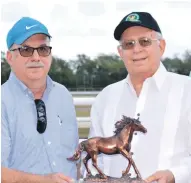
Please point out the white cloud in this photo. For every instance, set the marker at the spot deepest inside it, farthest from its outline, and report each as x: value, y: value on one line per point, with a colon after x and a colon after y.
x: 86, y: 26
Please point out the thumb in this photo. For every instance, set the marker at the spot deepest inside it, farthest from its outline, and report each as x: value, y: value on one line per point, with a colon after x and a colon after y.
x: 151, y: 179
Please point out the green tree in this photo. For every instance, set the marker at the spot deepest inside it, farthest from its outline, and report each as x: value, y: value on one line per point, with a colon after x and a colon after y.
x: 5, y: 68
x: 61, y: 72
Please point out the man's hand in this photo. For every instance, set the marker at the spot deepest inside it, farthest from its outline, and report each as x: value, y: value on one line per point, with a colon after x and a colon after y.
x: 163, y: 176
x: 12, y: 176
x: 59, y: 178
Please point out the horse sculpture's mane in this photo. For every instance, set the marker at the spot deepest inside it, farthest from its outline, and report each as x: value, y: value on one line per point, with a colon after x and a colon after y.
x: 119, y: 125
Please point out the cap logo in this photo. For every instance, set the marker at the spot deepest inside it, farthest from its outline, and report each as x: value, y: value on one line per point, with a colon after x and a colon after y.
x: 29, y: 27
x: 134, y: 17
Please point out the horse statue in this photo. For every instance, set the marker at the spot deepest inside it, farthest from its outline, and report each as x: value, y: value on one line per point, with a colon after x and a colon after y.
x: 119, y: 143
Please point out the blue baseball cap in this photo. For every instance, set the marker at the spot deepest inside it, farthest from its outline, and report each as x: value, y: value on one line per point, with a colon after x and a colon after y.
x: 23, y: 29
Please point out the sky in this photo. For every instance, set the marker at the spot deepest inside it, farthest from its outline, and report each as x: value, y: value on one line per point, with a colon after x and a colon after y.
x: 87, y: 26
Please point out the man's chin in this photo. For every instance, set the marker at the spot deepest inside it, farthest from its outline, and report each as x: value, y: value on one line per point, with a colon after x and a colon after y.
x: 35, y: 76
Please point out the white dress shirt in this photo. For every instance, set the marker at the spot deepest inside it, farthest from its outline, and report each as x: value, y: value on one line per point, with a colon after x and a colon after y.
x: 164, y: 105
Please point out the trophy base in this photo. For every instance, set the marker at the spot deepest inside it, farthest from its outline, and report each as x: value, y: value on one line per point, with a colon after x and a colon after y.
x: 124, y: 179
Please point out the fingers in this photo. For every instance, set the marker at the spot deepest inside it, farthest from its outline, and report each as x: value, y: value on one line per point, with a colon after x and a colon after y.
x: 163, y: 176
x: 152, y: 178
x: 162, y: 181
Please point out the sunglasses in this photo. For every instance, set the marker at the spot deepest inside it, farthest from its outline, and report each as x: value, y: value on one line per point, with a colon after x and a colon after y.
x: 27, y: 51
x: 130, y: 44
x: 41, y: 116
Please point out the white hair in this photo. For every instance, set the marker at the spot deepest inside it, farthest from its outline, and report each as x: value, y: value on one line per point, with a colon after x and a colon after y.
x: 159, y: 36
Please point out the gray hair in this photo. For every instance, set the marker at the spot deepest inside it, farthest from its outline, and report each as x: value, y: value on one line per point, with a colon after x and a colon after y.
x: 158, y: 34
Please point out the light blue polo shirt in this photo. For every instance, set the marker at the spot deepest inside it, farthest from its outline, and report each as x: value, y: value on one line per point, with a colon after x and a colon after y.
x: 22, y: 147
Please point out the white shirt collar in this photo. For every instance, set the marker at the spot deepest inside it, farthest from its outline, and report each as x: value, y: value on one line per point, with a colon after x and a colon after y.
x: 158, y: 77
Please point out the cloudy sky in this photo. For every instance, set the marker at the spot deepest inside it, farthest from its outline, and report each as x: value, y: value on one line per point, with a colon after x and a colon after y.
x: 86, y: 26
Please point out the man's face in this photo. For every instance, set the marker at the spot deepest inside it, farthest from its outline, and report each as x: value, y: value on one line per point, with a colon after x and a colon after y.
x: 33, y: 67
x: 141, y: 59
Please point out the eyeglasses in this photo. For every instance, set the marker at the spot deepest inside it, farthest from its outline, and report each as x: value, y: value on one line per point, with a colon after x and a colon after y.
x: 130, y: 44
x: 41, y: 116
x: 27, y: 51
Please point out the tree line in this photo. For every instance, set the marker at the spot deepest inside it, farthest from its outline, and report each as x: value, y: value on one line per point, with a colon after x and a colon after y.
x: 84, y: 73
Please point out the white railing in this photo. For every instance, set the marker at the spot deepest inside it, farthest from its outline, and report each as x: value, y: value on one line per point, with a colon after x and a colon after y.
x: 84, y: 92
x: 83, y: 122
x: 83, y: 101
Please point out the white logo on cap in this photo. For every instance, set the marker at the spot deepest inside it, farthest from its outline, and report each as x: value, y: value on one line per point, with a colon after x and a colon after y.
x: 29, y: 27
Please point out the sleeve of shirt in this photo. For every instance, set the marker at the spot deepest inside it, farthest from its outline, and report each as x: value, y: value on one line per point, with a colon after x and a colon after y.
x: 182, y: 173
x: 95, y: 127
x: 5, y: 137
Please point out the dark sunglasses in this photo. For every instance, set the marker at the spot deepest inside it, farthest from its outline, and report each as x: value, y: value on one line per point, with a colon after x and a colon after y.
x: 130, y: 44
x: 27, y: 51
x: 41, y: 116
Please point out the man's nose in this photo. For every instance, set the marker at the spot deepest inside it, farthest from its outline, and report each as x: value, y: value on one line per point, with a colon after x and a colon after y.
x: 137, y: 47
x: 35, y: 56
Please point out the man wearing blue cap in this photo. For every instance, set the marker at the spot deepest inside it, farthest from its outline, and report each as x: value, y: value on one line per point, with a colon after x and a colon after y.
x: 161, y: 100
x: 39, y: 128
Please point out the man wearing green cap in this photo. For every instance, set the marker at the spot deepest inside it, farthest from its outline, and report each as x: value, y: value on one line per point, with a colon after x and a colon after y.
x: 38, y: 122
x: 159, y: 98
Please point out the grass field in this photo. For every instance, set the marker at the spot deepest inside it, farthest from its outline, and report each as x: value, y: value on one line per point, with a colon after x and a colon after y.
x: 83, y: 111
x: 83, y: 133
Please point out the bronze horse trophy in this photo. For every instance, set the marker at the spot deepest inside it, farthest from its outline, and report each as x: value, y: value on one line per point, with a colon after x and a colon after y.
x: 119, y: 143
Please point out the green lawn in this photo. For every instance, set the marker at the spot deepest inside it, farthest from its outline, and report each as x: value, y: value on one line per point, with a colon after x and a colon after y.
x: 83, y: 132
x: 83, y: 111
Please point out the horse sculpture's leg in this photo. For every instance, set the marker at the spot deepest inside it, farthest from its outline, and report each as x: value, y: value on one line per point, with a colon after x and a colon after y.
x: 136, y: 170
x: 129, y: 158
x: 125, y: 172
x: 131, y: 162
x: 85, y: 161
x: 94, y: 163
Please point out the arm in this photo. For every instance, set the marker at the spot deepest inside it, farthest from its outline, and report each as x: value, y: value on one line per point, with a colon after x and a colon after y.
x: 182, y: 172
x: 8, y: 175
x: 5, y: 137
x: 14, y: 176
x: 95, y: 128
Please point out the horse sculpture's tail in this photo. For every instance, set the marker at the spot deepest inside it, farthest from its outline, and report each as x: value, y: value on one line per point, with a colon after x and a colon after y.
x: 78, y: 152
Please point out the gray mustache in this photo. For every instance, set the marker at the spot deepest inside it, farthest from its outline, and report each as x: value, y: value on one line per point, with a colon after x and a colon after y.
x: 34, y: 64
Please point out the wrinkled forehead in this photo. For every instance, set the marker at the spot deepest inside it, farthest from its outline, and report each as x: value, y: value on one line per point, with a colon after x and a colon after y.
x: 38, y: 38
x: 138, y: 32
x: 35, y: 41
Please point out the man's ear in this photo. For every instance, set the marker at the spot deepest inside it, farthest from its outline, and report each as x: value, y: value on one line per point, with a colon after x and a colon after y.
x: 120, y: 51
x: 162, y: 46
x: 9, y: 58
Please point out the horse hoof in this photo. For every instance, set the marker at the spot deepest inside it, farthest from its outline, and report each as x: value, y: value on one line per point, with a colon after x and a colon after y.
x: 103, y: 177
x: 89, y: 175
x: 139, y: 177
x: 124, y: 173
